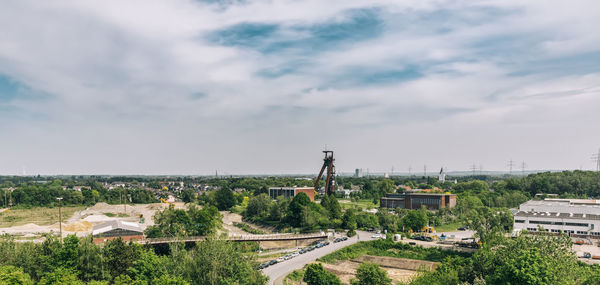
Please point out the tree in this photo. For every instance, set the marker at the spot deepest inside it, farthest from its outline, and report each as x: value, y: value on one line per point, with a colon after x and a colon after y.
x: 61, y: 276
x: 331, y: 204
x: 385, y: 186
x: 224, y: 199
x: 415, y: 220
x: 349, y: 220
x: 148, y: 266
x: 219, y: 262
x: 296, y: 209
x: 90, y: 261
x: 187, y: 195
x: 11, y: 275
x: 258, y: 207
x: 488, y: 222
x: 119, y: 256
x: 371, y: 274
x: 317, y: 275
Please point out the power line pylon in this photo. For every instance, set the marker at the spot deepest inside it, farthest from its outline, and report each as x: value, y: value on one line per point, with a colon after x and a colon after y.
x: 523, y: 166
x: 596, y: 158
x: 510, y: 165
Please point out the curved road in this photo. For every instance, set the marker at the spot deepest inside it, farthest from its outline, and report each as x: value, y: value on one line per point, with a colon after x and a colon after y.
x: 277, y: 272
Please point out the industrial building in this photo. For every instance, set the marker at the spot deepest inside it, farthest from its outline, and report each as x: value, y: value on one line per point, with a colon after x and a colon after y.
x: 576, y: 217
x: 411, y: 200
x: 115, y: 229
x: 288, y: 192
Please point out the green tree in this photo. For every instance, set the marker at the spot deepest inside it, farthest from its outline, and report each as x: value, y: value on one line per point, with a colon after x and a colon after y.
x: 349, y: 219
x: 415, y: 220
x: 317, y: 275
x: 11, y: 275
x: 331, y: 204
x: 296, y: 209
x: 148, y: 266
x: 371, y: 274
x: 224, y: 199
x: 90, y: 261
x: 219, y: 262
x: 488, y: 222
x: 119, y: 256
x: 258, y: 207
x: 61, y: 276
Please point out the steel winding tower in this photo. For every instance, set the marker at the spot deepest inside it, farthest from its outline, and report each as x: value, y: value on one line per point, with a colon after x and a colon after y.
x: 329, y: 182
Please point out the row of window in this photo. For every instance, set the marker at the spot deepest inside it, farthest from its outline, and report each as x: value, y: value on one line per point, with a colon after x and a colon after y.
x: 553, y: 223
x: 427, y: 201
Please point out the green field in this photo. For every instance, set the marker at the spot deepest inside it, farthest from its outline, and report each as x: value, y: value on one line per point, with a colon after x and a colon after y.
x: 452, y: 227
x: 364, y: 204
x: 40, y: 216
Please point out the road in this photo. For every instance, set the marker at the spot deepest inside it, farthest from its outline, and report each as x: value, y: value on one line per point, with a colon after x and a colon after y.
x: 277, y: 272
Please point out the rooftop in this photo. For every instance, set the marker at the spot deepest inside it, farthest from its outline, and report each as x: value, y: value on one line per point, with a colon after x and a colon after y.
x: 116, y: 224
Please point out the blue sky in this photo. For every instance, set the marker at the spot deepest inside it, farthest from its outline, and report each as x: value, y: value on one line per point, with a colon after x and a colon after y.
x: 257, y: 86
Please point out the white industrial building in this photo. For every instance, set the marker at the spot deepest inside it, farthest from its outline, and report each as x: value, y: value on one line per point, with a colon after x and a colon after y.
x: 576, y: 217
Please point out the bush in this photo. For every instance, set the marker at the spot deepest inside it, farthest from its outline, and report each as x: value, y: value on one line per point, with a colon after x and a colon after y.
x: 351, y: 233
x: 317, y: 275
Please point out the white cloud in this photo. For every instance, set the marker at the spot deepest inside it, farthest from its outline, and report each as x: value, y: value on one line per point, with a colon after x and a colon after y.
x: 118, y: 80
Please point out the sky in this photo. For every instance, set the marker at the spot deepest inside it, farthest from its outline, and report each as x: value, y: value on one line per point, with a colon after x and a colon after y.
x: 262, y: 87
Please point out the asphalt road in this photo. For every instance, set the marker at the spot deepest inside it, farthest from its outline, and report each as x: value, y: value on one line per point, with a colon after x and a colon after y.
x: 277, y: 272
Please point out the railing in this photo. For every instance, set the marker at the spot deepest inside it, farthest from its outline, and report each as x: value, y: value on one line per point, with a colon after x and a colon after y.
x: 268, y: 237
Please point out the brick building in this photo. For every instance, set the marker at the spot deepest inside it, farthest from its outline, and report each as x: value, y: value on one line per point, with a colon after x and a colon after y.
x: 415, y: 201
x: 287, y: 192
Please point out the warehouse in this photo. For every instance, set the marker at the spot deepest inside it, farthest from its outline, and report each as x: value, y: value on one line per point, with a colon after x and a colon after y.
x: 576, y: 217
x: 410, y: 200
x: 115, y: 229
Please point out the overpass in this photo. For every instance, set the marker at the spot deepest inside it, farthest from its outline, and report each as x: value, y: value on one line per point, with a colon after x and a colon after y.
x: 259, y: 238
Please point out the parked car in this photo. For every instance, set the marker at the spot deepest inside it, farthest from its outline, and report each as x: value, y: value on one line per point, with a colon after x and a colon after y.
x: 294, y: 254
x: 376, y: 236
x: 326, y: 243
x: 345, y: 238
x: 462, y: 228
x: 281, y: 259
x: 412, y: 243
x: 311, y: 248
x: 587, y: 255
x: 272, y: 262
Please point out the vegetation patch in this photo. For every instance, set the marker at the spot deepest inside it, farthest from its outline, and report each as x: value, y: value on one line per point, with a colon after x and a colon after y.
x: 247, y: 228
x: 39, y: 215
x: 391, y: 249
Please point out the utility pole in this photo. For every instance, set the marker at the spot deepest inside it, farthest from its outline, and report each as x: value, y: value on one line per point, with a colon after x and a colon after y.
x: 510, y: 165
x: 473, y: 168
x: 124, y: 201
x: 596, y: 158
x: 59, y: 218
x: 409, y: 170
x: 425, y: 170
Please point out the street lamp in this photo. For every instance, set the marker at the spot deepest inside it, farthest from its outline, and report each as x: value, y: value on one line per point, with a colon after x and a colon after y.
x: 59, y: 217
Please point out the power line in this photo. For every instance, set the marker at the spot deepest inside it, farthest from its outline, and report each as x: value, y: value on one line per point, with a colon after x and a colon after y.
x: 473, y: 168
x: 596, y: 158
x: 510, y: 165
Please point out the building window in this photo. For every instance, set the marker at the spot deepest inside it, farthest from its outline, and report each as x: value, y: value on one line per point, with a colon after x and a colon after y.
x: 519, y: 221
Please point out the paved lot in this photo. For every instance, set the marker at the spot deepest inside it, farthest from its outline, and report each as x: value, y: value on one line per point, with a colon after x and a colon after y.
x: 278, y: 271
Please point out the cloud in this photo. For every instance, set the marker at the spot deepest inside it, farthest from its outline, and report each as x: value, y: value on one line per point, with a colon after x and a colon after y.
x: 169, y: 86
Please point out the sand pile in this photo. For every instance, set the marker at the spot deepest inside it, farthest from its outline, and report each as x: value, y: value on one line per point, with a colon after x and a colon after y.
x: 83, y: 226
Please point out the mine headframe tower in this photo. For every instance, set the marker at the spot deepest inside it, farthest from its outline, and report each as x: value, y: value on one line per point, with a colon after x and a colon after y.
x: 329, y: 182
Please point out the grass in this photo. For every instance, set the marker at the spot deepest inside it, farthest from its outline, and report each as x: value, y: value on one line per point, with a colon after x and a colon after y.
x: 112, y: 215
x: 40, y: 216
x: 391, y: 249
x: 452, y: 227
x: 364, y: 204
x: 294, y: 277
x: 245, y: 227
